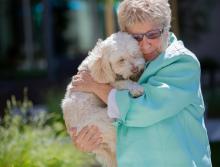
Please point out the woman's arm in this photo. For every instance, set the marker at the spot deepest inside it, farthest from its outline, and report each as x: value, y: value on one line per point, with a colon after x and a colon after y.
x: 89, y: 138
x: 102, y: 91
x: 84, y: 82
x: 167, y: 92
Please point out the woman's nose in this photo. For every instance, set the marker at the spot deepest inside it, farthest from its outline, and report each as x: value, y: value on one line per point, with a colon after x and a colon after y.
x: 144, y: 44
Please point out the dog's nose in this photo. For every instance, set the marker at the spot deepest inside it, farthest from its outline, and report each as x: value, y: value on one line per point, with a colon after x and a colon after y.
x: 134, y: 69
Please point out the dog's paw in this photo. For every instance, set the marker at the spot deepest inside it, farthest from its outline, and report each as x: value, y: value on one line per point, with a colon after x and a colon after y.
x: 136, y: 91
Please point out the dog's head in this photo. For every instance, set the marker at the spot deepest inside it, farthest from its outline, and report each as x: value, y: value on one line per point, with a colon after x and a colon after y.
x: 118, y: 55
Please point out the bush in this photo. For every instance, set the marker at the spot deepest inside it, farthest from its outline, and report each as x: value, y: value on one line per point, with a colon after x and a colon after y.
x: 28, y: 141
x: 38, y: 147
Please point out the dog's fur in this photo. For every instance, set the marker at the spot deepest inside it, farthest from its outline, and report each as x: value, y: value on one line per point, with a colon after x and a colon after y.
x: 110, y: 60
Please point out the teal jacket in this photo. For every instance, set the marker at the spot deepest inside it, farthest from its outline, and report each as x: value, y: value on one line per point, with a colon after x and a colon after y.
x: 165, y: 126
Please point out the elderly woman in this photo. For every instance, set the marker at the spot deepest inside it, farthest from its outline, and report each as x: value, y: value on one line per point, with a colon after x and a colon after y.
x: 165, y: 126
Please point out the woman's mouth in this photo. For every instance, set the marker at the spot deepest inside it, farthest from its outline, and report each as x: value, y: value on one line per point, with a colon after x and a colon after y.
x: 150, y: 55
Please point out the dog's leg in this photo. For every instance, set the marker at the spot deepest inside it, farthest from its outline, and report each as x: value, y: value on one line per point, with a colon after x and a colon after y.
x: 134, y: 88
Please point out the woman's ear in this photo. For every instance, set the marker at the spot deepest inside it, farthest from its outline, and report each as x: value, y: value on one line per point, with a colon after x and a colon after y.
x: 100, y: 67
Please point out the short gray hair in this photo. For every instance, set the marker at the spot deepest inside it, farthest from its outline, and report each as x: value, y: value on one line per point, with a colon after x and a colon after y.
x: 155, y: 11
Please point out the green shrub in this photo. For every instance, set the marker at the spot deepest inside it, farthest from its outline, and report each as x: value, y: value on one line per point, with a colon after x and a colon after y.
x: 27, y: 141
x: 38, y: 147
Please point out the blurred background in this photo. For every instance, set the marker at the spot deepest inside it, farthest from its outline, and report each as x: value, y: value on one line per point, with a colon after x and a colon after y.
x: 41, y: 44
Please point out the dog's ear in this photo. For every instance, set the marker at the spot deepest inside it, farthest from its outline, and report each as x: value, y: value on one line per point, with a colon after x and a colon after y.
x: 84, y: 64
x: 100, y: 67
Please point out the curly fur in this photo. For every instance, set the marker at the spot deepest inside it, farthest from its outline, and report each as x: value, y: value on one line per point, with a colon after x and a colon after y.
x: 118, y: 55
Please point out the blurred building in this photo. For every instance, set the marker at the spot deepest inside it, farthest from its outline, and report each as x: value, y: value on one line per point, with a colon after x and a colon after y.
x: 38, y: 35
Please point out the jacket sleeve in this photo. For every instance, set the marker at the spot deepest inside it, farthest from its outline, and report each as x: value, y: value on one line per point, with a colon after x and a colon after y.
x: 167, y: 92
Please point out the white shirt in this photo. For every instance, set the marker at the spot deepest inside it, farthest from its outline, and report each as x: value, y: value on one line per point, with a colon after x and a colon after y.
x: 112, y: 109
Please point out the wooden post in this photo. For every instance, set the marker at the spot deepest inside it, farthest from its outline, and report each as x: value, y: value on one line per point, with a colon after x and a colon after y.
x: 109, y: 17
x: 28, y: 33
x: 48, y: 39
x: 175, y: 17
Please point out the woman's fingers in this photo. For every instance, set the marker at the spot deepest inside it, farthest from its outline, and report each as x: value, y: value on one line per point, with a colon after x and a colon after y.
x: 77, y: 82
x: 88, y: 139
x: 87, y: 135
x: 73, y: 131
x: 95, y: 137
x: 84, y: 75
x: 80, y: 79
x: 91, y: 133
x: 83, y: 82
x: 96, y: 144
x: 76, y: 77
x: 81, y: 135
x: 92, y: 143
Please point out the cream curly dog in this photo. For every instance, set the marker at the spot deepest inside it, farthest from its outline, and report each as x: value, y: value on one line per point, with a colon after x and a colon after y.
x: 113, y: 61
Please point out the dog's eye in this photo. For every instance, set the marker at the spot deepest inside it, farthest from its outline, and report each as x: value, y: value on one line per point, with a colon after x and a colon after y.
x: 121, y: 60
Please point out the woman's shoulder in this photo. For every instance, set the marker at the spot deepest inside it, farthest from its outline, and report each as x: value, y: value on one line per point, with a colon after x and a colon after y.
x: 176, y: 57
x: 178, y: 53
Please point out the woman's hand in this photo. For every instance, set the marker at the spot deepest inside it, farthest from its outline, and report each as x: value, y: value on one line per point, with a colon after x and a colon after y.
x: 88, y: 139
x: 84, y: 82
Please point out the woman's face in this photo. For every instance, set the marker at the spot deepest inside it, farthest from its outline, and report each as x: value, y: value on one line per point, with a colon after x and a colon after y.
x: 151, y: 48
